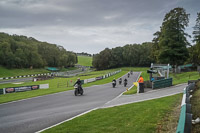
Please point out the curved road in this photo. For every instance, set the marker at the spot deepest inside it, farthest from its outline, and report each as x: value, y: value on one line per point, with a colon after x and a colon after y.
x: 31, y: 115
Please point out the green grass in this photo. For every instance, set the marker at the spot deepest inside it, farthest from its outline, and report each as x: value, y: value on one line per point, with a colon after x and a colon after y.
x: 85, y: 60
x: 133, y: 90
x: 4, y: 72
x: 142, y: 117
x: 184, y: 77
x: 53, y: 85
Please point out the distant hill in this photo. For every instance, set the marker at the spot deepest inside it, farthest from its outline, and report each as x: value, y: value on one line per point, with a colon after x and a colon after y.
x: 84, y: 60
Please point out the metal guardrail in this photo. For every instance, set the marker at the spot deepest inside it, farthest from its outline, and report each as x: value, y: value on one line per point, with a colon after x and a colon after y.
x: 185, y: 119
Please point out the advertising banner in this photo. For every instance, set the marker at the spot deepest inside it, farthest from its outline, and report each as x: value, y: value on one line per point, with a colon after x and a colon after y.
x: 99, y: 78
x: 44, y: 86
x: 91, y: 80
x: 34, y: 87
x: 85, y: 81
x: 9, y: 90
x: 21, y: 89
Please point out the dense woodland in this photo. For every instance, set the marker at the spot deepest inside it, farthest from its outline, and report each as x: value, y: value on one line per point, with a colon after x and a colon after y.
x: 169, y: 45
x: 23, y: 52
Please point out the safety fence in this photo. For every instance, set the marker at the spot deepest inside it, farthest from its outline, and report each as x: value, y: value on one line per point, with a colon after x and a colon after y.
x: 162, y: 83
x: 26, y: 76
x: 185, y: 118
x: 85, y: 81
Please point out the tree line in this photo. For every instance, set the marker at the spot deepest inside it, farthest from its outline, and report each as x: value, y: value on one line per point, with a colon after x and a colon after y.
x: 128, y: 55
x: 26, y: 52
x: 169, y: 45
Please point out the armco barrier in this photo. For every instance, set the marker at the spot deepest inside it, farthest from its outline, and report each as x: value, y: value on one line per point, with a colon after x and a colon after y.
x: 162, y: 83
x: 32, y: 75
x: 185, y: 119
x: 100, y: 77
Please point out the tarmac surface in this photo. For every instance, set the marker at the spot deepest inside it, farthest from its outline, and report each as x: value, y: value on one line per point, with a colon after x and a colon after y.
x: 148, y: 95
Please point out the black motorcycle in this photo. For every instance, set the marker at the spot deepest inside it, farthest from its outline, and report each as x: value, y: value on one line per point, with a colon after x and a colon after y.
x: 125, y: 83
x: 113, y: 84
x: 128, y: 75
x: 120, y: 81
x: 131, y: 72
x: 78, y: 90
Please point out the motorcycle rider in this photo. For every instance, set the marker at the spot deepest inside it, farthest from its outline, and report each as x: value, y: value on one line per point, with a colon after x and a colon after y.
x: 128, y: 75
x: 120, y: 81
x: 131, y: 72
x: 114, y: 82
x: 78, y: 82
x: 125, y: 82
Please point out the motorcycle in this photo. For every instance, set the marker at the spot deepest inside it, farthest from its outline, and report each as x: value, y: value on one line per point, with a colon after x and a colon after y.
x: 113, y: 84
x: 120, y: 82
x: 78, y: 90
x: 125, y: 83
x: 131, y: 72
x: 128, y: 75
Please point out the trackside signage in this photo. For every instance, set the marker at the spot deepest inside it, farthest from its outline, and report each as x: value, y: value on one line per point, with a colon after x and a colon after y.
x: 21, y: 89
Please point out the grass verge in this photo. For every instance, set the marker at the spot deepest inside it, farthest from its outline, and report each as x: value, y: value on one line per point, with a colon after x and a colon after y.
x: 142, y: 117
x: 133, y: 90
x: 184, y: 77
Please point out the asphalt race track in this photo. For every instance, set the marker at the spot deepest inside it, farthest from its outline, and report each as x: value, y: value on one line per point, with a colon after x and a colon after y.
x: 31, y: 115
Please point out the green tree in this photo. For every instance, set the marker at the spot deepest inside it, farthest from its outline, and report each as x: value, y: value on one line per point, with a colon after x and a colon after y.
x: 195, y: 51
x: 102, y: 60
x: 172, y: 41
x: 116, y: 58
x: 155, y: 47
x: 144, y: 56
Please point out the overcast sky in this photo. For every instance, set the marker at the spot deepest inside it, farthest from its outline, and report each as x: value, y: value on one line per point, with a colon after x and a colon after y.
x: 90, y: 25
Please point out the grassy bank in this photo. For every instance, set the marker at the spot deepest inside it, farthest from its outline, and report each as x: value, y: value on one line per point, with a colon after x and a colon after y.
x: 85, y: 60
x: 4, y: 72
x: 142, y: 117
x: 184, y: 77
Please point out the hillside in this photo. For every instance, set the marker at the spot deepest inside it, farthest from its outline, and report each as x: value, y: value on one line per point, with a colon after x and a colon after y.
x: 84, y: 60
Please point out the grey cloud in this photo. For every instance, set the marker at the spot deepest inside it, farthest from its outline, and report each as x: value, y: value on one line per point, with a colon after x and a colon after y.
x: 90, y: 24
x: 76, y: 13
